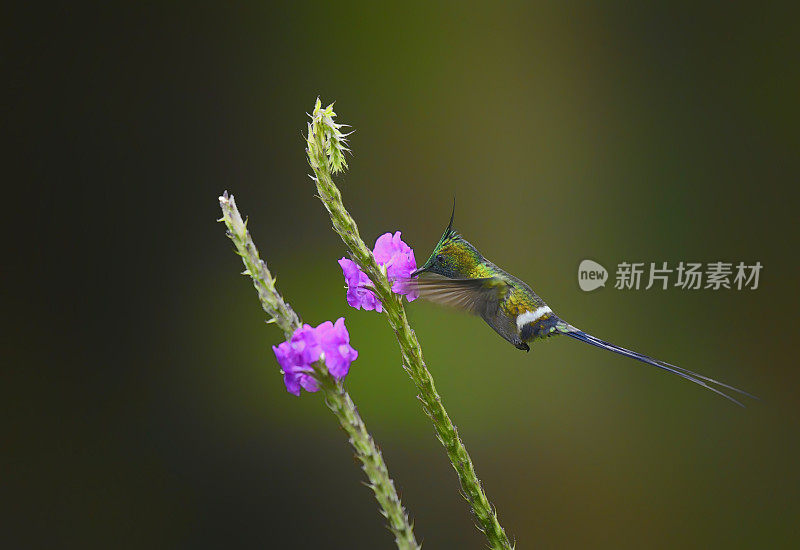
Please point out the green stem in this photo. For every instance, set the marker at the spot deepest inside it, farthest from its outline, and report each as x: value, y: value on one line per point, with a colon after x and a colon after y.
x: 324, y: 136
x: 336, y: 398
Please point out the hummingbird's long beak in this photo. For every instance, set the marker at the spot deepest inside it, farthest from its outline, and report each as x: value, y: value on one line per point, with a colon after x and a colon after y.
x: 422, y: 269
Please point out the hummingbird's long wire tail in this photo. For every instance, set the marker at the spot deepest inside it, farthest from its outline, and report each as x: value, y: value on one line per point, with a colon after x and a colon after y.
x: 699, y: 379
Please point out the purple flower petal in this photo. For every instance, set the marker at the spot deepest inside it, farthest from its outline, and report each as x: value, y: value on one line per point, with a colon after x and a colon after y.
x: 292, y: 382
x: 398, y: 259
x: 359, y: 295
x: 305, y: 346
x: 295, y: 358
x: 335, y: 342
x: 350, y: 270
x: 283, y: 353
x: 385, y: 247
x: 308, y: 383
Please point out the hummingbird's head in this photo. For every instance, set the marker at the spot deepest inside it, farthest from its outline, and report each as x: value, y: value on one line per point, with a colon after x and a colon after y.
x: 453, y: 257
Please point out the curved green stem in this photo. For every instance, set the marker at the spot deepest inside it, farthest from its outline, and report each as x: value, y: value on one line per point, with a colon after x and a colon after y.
x: 336, y: 398
x: 324, y: 136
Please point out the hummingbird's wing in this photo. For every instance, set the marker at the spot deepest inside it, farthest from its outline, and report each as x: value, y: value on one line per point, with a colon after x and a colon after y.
x: 475, y: 296
x: 481, y: 296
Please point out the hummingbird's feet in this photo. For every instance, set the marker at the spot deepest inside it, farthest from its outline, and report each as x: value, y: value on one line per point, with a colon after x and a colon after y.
x: 522, y: 345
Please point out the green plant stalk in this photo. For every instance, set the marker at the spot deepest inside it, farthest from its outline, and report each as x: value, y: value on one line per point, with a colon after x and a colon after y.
x: 336, y: 397
x: 324, y: 135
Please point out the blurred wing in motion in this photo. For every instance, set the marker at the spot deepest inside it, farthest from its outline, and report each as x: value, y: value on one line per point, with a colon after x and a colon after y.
x: 480, y: 297
x: 475, y: 296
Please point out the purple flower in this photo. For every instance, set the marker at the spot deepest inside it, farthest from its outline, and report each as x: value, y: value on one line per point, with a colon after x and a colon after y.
x: 358, y: 294
x: 335, y: 342
x: 306, y: 346
x: 295, y: 373
x: 398, y: 259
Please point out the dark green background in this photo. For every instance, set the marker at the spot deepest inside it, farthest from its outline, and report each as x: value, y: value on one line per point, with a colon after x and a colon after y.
x: 144, y: 407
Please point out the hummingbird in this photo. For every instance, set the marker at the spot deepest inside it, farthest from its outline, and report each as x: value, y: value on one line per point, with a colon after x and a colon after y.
x: 456, y: 274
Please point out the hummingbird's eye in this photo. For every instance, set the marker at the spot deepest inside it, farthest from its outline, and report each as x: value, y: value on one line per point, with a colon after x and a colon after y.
x: 438, y: 258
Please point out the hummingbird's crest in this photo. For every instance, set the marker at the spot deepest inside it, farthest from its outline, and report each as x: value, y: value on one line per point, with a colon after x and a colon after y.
x: 453, y: 257
x: 449, y: 233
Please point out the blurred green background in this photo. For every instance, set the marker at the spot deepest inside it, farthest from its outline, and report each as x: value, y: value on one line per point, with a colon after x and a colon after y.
x: 143, y: 403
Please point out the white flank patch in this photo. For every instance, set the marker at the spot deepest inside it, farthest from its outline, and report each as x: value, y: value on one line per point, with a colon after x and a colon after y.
x: 532, y: 316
